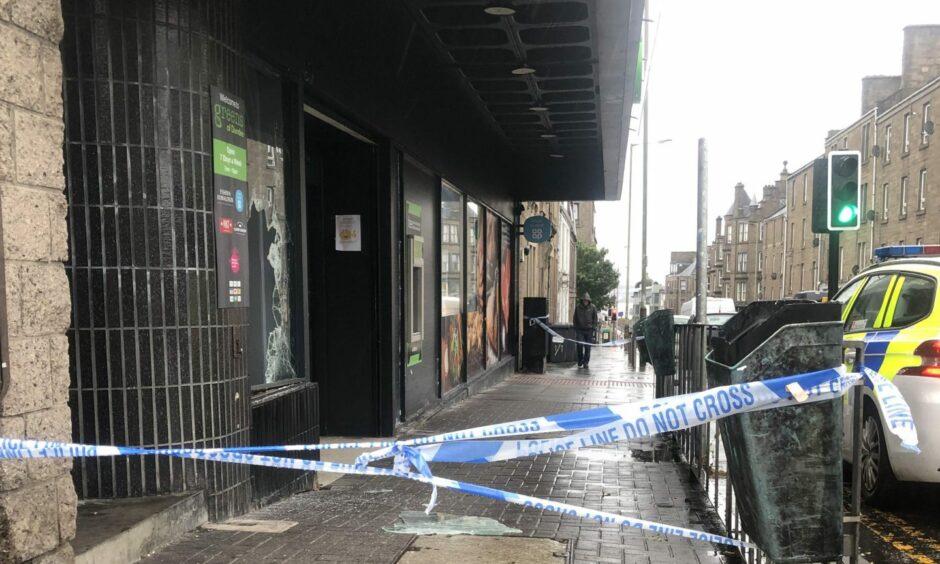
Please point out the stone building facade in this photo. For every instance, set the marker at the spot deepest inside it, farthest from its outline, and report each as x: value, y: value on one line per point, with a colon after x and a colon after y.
x: 549, y: 269
x: 37, y: 498
x: 738, y: 252
x: 900, y: 161
x: 584, y: 213
x: 774, y: 253
x: 680, y: 282
x: 654, y: 299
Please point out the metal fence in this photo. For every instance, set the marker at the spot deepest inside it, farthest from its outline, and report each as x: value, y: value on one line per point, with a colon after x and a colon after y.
x: 701, y: 446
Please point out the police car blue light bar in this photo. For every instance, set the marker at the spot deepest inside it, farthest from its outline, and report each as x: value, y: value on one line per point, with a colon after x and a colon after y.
x: 898, y: 251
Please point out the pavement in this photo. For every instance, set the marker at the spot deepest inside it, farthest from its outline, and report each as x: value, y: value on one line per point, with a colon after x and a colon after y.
x: 344, y: 523
x: 907, y: 531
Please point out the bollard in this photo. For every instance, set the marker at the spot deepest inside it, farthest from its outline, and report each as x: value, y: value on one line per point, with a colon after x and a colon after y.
x: 785, y: 464
x: 639, y: 330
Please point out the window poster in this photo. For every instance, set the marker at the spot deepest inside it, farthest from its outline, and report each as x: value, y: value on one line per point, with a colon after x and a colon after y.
x: 505, y: 275
x: 476, y: 289
x: 492, y: 289
x: 452, y: 347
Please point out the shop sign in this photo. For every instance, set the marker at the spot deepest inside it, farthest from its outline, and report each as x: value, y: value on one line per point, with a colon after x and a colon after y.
x: 231, y: 202
x: 538, y: 229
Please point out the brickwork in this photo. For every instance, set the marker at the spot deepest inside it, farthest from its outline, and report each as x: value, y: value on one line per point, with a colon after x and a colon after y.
x: 804, y: 253
x: 920, y: 61
x: 544, y: 272
x: 680, y: 282
x: 900, y: 197
x: 891, y: 193
x: 905, y: 216
x: 737, y: 255
x: 37, y: 500
x: 584, y: 225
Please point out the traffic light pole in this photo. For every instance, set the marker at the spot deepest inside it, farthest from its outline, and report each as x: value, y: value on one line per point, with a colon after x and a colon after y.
x: 646, y: 151
x: 833, y: 263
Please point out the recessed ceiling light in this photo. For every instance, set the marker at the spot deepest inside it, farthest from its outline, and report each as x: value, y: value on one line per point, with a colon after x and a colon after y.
x: 522, y: 71
x: 538, y: 109
x: 499, y: 10
x: 548, y: 136
x: 556, y: 155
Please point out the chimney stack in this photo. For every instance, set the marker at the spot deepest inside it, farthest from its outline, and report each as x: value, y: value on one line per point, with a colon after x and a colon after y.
x: 877, y: 88
x: 921, y: 60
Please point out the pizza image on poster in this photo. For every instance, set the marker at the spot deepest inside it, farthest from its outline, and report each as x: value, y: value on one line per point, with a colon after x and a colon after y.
x: 231, y: 198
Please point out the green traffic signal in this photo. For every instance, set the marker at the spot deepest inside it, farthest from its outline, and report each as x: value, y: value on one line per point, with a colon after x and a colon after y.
x: 843, y: 190
x: 847, y: 214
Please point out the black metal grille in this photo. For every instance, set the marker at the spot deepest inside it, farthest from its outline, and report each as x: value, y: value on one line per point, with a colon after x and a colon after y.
x: 153, y: 361
x: 284, y: 416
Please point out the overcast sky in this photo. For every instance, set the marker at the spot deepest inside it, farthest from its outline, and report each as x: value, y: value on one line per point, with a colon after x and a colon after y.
x: 762, y: 82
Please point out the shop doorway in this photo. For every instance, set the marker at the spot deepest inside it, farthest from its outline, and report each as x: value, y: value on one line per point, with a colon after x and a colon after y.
x: 343, y: 186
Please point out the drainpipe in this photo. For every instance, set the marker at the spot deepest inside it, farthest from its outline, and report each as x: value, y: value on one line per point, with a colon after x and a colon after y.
x: 871, y: 200
x: 786, y: 228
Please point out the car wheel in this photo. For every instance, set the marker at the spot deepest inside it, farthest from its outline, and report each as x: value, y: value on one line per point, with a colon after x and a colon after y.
x: 878, y: 481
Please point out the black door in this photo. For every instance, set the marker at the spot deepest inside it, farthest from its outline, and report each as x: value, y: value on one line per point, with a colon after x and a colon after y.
x: 342, y: 180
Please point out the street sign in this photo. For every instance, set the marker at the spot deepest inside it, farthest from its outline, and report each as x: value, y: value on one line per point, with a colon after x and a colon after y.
x: 538, y: 229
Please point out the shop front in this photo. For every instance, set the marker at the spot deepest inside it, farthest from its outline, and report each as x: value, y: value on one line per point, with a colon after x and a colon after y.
x: 294, y: 219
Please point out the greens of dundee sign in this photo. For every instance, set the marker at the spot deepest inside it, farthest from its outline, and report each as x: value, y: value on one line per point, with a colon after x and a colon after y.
x: 230, y: 208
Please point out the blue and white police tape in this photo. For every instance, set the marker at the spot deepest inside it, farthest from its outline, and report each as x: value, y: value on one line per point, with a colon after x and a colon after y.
x: 645, y: 418
x: 538, y: 321
x: 604, y: 425
x: 14, y: 448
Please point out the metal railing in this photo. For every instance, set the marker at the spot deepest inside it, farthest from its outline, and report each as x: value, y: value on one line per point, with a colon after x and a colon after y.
x: 701, y: 446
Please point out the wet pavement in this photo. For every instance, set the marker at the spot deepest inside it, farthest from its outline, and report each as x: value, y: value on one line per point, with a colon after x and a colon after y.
x: 638, y: 479
x: 908, y: 532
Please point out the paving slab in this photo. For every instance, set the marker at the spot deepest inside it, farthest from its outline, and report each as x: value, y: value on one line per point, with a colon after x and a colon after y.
x: 639, y: 479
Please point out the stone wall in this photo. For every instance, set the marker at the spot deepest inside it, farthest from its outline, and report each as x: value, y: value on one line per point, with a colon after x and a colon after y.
x: 37, y: 500
x: 920, y: 61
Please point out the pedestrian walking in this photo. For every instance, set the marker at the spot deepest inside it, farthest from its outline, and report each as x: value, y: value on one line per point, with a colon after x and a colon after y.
x: 585, y: 326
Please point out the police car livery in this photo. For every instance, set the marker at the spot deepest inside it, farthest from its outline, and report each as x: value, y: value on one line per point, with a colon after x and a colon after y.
x: 892, y: 308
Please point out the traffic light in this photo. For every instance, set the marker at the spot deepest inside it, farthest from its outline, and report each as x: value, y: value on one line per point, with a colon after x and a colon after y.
x: 842, y: 191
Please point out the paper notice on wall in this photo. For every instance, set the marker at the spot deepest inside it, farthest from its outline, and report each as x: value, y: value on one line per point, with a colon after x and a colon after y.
x: 348, y: 233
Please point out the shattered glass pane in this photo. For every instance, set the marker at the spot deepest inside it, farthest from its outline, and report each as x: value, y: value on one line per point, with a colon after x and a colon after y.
x: 269, y: 234
x: 420, y: 523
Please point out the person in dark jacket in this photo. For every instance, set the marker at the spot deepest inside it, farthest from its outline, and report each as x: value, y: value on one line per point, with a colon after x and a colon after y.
x: 585, y: 327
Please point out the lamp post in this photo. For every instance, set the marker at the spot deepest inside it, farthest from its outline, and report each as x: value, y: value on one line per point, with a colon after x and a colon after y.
x: 644, y: 259
x: 629, y: 231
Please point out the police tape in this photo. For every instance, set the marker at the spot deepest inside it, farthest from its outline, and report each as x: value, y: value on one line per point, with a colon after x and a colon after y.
x: 13, y: 448
x: 604, y: 425
x: 538, y: 321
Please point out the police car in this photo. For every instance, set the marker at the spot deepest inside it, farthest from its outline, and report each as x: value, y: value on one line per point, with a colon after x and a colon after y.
x: 892, y: 308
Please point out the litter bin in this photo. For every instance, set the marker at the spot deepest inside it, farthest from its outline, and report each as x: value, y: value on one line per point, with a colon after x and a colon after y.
x: 785, y: 463
x: 534, y: 338
x: 660, y: 341
x: 565, y: 351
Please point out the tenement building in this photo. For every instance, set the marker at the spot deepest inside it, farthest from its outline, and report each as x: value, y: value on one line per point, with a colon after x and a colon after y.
x: 737, y: 254
x: 252, y: 223
x: 900, y: 196
x: 680, y: 282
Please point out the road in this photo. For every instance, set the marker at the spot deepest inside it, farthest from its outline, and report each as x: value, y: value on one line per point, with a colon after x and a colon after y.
x: 909, y: 532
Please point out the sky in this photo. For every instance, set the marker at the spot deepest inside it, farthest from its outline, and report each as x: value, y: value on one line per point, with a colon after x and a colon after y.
x: 762, y: 82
